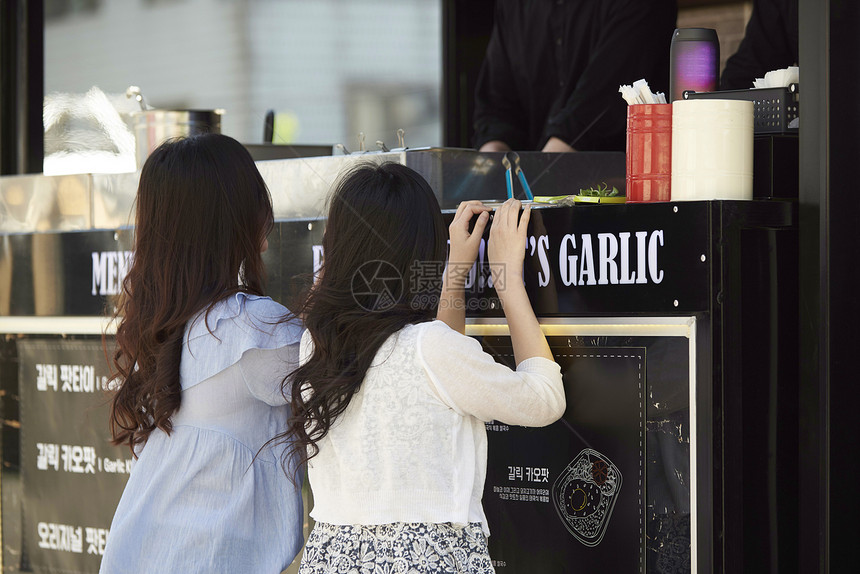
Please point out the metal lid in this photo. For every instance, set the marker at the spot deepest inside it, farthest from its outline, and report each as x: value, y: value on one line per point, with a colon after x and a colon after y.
x: 700, y: 34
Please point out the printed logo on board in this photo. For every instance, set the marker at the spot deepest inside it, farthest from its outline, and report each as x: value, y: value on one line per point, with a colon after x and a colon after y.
x: 584, y: 495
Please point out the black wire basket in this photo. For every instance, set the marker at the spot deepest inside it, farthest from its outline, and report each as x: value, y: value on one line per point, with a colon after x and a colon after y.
x: 774, y: 109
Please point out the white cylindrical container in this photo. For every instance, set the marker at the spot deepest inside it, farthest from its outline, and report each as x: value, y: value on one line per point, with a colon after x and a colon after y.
x: 712, y: 149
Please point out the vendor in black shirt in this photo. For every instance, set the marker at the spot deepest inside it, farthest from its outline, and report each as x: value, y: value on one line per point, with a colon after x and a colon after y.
x: 770, y: 43
x: 553, y: 67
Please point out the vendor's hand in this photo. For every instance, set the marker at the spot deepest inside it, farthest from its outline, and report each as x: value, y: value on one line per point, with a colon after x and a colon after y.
x: 495, y: 145
x: 465, y: 244
x: 507, y: 247
x: 556, y: 145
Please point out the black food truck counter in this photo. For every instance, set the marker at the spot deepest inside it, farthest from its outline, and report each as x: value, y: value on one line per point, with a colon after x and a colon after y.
x: 666, y: 318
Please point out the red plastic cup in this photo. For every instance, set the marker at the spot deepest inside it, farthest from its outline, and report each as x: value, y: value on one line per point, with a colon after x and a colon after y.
x: 649, y: 152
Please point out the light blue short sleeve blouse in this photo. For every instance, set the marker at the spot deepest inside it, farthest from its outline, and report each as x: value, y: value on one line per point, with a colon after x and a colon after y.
x: 199, y: 500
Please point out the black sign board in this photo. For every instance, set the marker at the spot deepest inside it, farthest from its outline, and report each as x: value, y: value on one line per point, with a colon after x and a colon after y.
x: 597, y: 490
x: 72, y: 477
x: 62, y: 274
x: 587, y: 259
x: 638, y: 259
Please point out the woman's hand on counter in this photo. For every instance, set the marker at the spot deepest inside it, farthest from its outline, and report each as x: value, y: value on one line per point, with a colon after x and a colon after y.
x: 507, y: 246
x: 464, y: 245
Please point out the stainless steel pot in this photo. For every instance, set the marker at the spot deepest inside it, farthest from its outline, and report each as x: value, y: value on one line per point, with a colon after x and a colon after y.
x: 152, y: 127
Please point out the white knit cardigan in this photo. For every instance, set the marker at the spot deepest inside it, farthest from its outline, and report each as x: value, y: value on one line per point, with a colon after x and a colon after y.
x: 412, y: 445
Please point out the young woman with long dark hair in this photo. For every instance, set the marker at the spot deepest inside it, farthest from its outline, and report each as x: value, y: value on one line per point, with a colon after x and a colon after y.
x: 200, y: 356
x: 389, y: 405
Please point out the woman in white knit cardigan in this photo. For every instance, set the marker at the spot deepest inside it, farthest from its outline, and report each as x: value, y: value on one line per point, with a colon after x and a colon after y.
x: 389, y: 405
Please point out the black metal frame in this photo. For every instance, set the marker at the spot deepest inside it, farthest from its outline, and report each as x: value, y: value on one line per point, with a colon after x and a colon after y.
x: 754, y: 394
x: 828, y: 306
x: 22, y: 86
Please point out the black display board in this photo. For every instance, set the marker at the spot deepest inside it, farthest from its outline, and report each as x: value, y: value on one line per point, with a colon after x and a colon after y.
x: 607, y: 487
x: 72, y: 477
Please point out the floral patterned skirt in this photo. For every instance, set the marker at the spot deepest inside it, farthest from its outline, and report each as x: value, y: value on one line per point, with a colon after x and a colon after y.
x: 414, y: 548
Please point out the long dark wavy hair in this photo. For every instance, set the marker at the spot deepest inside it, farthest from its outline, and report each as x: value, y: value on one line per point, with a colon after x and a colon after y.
x: 383, y: 253
x: 203, y: 212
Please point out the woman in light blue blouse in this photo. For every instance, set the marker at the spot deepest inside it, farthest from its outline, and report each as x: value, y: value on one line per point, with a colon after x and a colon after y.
x: 199, y: 360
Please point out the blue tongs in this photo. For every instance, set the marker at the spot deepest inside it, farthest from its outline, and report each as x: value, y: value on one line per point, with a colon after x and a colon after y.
x: 509, y: 180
